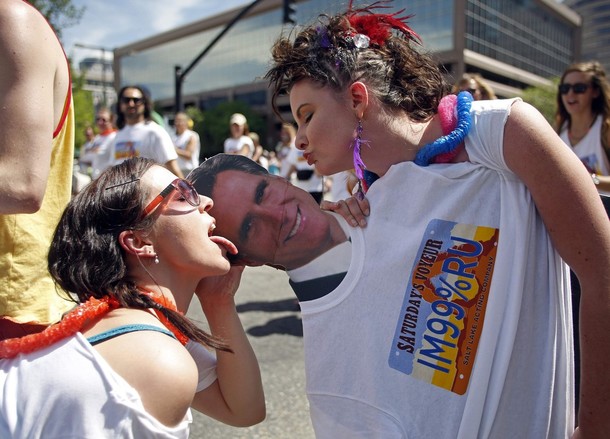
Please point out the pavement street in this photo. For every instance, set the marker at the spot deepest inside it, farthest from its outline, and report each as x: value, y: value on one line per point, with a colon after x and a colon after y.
x: 270, y: 315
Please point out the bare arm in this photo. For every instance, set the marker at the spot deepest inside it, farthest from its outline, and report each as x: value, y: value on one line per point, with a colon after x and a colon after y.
x: 172, y: 165
x: 245, y: 149
x: 29, y: 111
x: 573, y: 214
x: 236, y: 398
x: 187, y: 153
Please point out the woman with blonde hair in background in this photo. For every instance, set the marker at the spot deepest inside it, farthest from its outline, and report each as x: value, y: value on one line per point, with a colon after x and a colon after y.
x: 186, y: 142
x: 475, y: 85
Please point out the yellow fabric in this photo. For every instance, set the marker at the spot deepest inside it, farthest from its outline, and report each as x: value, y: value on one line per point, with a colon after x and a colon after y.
x: 27, y: 292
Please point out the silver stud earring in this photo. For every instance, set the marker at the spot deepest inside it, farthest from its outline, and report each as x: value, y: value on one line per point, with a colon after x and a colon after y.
x: 156, y: 259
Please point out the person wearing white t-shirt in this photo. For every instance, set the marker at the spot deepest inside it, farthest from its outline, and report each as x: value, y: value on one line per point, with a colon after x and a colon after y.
x: 138, y: 135
x: 99, y: 158
x: 239, y: 142
x: 286, y: 142
x: 455, y: 320
x: 84, y: 160
x: 341, y: 185
x: 303, y: 175
x: 186, y: 142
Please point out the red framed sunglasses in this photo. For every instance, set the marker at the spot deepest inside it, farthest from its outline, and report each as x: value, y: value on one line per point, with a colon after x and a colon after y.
x: 186, y: 190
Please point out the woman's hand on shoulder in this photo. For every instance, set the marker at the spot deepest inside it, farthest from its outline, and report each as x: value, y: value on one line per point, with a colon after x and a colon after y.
x: 353, y: 209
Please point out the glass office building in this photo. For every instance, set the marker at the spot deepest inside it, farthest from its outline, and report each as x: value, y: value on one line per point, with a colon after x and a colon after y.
x: 595, y: 30
x: 512, y: 43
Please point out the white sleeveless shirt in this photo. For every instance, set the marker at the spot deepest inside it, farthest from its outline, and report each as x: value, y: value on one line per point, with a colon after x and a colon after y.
x: 590, y: 150
x: 68, y: 390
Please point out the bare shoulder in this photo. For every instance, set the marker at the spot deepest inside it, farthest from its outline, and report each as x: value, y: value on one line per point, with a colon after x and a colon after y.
x: 15, y: 11
x: 32, y: 59
x: 27, y: 41
x: 528, y: 137
x: 524, y: 118
x: 556, y: 179
x: 21, y: 22
x: 158, y: 367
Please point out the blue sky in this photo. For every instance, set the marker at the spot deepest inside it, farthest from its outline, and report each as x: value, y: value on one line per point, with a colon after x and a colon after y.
x: 114, y: 23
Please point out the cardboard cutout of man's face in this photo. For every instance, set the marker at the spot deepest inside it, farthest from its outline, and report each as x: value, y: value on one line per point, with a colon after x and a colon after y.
x: 269, y: 220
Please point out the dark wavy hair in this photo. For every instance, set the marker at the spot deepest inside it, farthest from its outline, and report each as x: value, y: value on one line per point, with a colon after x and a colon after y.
x: 85, y: 257
x: 400, y: 76
x: 148, y: 106
x: 600, y: 105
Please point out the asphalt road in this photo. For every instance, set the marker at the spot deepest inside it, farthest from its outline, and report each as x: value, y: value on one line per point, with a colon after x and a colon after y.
x: 269, y: 313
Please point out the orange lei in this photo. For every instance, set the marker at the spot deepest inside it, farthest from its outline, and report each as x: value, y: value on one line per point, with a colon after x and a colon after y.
x: 68, y: 326
x: 74, y: 321
x: 164, y: 302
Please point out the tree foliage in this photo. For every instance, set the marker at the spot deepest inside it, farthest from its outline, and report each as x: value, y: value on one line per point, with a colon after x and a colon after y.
x: 544, y: 98
x: 59, y: 13
x: 84, y: 111
x: 62, y: 14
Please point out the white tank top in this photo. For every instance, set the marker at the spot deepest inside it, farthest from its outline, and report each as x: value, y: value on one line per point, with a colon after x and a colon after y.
x: 590, y: 150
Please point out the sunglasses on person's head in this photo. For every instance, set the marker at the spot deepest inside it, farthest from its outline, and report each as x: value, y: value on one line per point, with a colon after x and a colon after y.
x: 579, y: 88
x: 128, y: 99
x: 185, y: 192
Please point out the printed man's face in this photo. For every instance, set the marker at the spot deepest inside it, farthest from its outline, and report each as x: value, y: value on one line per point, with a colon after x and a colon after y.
x: 268, y: 219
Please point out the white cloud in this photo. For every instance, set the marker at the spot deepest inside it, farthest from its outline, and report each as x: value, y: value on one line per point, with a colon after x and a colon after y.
x: 115, y: 23
x: 164, y: 18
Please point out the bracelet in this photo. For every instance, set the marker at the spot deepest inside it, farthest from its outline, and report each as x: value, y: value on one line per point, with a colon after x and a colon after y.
x: 595, y: 179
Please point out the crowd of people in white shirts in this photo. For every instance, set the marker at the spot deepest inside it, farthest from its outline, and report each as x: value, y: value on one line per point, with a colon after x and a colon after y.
x: 181, y: 148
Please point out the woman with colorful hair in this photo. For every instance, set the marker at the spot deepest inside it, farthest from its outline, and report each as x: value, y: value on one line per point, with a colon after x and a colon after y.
x: 133, y: 248
x: 583, y: 118
x: 453, y: 320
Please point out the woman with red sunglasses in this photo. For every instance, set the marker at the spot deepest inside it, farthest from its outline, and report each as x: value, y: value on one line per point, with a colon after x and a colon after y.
x: 133, y: 248
x: 582, y: 119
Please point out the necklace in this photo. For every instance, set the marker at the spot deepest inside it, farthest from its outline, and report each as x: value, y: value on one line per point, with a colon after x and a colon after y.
x: 72, y: 322
x: 164, y: 302
x: 455, y: 126
x: 75, y: 320
x: 446, y: 147
x: 575, y: 136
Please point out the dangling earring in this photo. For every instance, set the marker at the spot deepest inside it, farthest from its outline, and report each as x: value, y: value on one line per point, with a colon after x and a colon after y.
x: 359, y: 166
x: 156, y: 259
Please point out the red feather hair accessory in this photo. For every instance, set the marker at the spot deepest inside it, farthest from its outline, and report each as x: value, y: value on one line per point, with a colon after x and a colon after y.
x: 378, y: 27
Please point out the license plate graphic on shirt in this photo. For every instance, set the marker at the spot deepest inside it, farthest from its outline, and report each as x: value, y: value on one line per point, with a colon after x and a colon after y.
x: 125, y: 150
x: 442, y: 315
